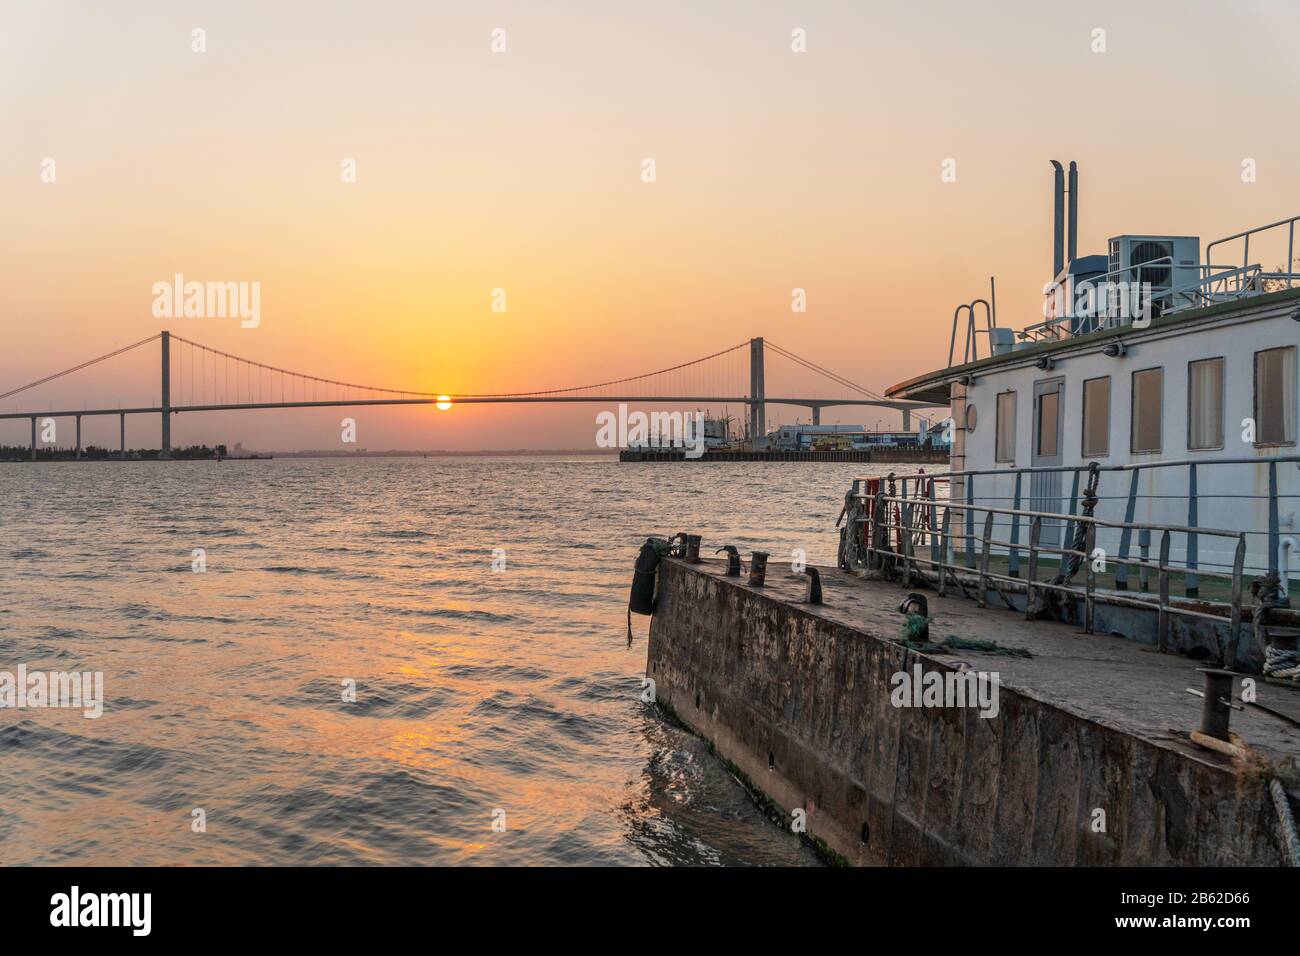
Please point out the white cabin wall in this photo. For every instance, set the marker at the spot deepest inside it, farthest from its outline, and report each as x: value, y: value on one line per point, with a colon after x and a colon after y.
x: 1171, y: 350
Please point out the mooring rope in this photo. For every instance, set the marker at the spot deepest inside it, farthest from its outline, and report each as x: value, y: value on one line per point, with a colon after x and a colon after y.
x: 851, y: 533
x: 1050, y: 599
x: 1289, y: 835
x: 1281, y: 664
x: 1088, y: 504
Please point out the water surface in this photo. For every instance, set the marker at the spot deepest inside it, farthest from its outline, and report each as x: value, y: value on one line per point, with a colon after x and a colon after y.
x: 480, y: 693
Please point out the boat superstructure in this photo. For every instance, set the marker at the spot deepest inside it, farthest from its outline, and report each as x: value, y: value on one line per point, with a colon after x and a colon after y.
x: 1139, y: 442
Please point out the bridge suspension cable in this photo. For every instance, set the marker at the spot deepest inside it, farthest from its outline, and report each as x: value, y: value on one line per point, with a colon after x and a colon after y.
x: 195, y: 377
x: 199, y: 377
x: 287, y: 372
x: 833, y: 376
x: 612, y: 382
x: 83, y: 365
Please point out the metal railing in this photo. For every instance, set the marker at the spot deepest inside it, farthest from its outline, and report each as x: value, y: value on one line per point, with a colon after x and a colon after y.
x: 971, y: 352
x: 1215, y: 284
x: 908, y: 532
x: 1245, y: 255
x: 1208, y: 483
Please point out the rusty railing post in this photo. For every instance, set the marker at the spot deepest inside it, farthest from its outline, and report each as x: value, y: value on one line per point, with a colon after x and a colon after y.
x: 1162, y: 623
x: 1035, y: 536
x: 1192, y: 581
x: 970, y: 520
x: 1234, y: 630
x: 878, y: 532
x: 906, y: 520
x: 1013, y: 556
x: 943, y: 550
x: 1144, y: 554
x: 1089, y: 602
x: 1067, y: 539
x: 1126, y: 535
x: 934, y: 521
x: 984, y: 559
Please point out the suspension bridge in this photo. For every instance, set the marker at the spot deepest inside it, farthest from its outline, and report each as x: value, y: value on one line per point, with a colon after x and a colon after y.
x: 198, y: 378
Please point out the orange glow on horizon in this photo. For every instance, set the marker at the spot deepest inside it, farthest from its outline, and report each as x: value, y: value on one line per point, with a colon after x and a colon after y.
x: 522, y: 172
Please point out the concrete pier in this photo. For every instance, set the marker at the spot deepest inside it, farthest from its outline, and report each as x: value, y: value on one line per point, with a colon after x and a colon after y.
x: 1088, y: 760
x: 887, y: 454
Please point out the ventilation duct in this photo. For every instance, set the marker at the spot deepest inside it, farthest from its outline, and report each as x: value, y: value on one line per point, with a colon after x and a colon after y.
x: 1058, y: 221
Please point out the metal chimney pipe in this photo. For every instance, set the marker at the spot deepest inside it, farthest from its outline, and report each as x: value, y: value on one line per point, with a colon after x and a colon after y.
x: 1073, y: 245
x: 1058, y: 224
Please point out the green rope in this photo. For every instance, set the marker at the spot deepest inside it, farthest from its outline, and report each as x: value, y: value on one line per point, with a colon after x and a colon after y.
x: 953, y: 642
x: 914, y: 627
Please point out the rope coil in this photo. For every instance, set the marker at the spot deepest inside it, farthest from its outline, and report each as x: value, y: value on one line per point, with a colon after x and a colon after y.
x: 1283, y: 807
x: 1281, y: 664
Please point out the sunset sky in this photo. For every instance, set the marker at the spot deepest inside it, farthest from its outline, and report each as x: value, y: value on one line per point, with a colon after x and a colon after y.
x: 522, y: 170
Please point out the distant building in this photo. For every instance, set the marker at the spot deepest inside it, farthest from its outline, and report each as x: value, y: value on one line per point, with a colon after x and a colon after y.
x: 717, y: 432
x: 845, y: 437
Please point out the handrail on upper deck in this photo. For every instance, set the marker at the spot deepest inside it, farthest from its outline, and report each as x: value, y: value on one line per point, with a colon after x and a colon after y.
x: 1245, y: 257
x: 1276, y: 554
x: 1250, y: 279
x: 942, y: 559
x: 972, y: 352
x: 1123, y: 466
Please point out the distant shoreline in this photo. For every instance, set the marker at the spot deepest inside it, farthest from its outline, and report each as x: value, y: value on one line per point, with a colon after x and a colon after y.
x: 444, y: 453
x: 151, y: 454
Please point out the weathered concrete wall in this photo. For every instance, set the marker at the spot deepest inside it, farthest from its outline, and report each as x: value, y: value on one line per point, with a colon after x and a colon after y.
x: 801, y: 704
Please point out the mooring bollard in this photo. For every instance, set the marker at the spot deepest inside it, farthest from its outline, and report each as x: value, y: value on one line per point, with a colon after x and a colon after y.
x: 757, y: 569
x: 814, y: 595
x: 916, y: 609
x: 692, y: 549
x: 733, y: 560
x: 678, y: 543
x: 1216, y: 707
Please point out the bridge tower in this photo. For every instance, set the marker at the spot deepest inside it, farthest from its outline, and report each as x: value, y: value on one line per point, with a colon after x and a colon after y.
x: 166, y: 448
x: 757, y: 417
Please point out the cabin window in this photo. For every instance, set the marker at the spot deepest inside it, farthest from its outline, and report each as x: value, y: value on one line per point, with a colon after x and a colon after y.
x: 1205, y: 404
x: 1049, y: 403
x: 1096, y: 417
x: 1148, y: 386
x: 1275, y: 396
x: 1006, y: 430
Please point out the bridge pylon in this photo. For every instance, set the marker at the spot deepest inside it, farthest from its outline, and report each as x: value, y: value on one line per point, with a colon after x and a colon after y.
x: 166, y: 446
x: 757, y: 416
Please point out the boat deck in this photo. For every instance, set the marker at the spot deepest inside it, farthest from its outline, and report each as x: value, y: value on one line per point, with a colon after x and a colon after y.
x: 1099, y: 677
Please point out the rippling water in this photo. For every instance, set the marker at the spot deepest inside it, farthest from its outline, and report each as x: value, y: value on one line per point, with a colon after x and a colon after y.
x: 477, y: 691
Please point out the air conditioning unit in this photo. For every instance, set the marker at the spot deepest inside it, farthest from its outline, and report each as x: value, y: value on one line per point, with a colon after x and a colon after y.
x: 1001, y: 341
x: 1166, y: 262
